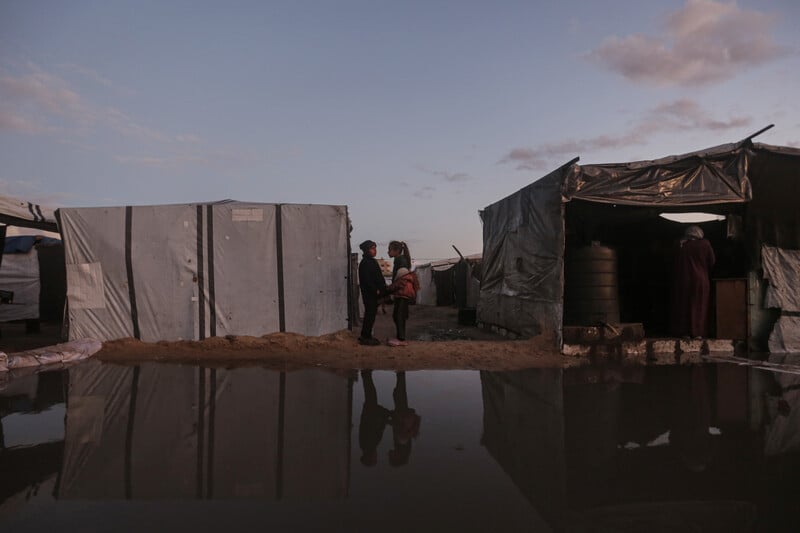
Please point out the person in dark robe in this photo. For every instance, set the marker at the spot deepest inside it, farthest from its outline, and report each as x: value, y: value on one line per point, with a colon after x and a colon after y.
x: 691, y: 290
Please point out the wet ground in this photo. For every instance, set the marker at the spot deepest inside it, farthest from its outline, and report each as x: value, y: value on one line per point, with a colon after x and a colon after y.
x: 156, y: 447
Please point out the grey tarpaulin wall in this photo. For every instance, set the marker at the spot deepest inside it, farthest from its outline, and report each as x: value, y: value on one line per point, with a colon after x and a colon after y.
x: 523, y: 234
x: 523, y: 257
x: 192, y: 271
x: 183, y: 432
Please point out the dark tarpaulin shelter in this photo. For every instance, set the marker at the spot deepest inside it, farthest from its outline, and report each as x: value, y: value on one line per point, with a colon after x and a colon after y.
x: 522, y: 288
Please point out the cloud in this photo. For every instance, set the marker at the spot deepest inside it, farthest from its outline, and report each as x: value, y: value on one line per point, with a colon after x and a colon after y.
x: 424, y: 192
x: 36, y: 102
x: 704, y: 42
x: 10, y: 121
x: 679, y: 115
x: 30, y: 190
x: 449, y: 177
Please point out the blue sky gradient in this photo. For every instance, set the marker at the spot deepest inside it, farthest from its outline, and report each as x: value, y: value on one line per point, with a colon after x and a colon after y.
x: 414, y: 114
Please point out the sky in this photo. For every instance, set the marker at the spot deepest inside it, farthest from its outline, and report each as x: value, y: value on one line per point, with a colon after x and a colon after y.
x: 414, y: 114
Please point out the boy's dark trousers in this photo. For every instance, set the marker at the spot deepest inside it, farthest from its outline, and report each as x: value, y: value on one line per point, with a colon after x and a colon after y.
x: 370, y: 311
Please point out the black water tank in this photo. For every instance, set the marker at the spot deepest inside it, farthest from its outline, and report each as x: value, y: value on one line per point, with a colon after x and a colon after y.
x: 591, y: 291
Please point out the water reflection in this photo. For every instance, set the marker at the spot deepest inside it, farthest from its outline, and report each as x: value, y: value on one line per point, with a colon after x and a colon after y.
x: 648, y: 448
x: 155, y: 432
x: 701, y: 447
x: 404, y: 420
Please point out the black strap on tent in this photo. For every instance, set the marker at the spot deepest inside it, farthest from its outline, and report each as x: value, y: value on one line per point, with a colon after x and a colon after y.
x: 279, y: 246
x: 212, y: 411
x: 201, y: 294
x: 201, y: 418
x: 281, y: 435
x: 129, y: 433
x: 212, y: 311
x: 129, y: 268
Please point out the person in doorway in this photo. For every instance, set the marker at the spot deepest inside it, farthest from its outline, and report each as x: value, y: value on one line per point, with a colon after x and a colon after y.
x: 373, y: 288
x: 398, y: 250
x: 691, y: 291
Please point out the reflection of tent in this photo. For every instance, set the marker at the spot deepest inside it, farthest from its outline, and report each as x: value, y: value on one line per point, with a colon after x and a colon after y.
x: 192, y: 271
x: 556, y: 433
x: 177, y: 432
x: 530, y: 234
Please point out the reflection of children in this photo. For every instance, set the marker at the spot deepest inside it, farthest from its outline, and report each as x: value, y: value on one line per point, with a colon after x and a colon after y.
x: 373, y: 421
x: 405, y: 424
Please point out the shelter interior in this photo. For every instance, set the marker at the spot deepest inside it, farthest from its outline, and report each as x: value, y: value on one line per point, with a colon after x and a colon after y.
x: 645, y: 245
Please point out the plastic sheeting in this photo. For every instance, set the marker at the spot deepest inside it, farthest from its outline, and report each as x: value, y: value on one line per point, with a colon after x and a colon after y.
x: 192, y: 271
x: 712, y: 176
x: 426, y: 295
x: 58, y: 354
x: 523, y: 257
x: 19, y: 273
x: 782, y: 270
x: 181, y: 432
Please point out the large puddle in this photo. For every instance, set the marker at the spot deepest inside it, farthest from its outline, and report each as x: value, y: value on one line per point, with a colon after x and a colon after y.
x: 708, y: 447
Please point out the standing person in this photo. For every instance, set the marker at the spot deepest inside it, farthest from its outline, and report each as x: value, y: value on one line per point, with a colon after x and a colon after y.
x: 403, y: 291
x: 373, y: 288
x: 691, y: 291
x: 398, y: 250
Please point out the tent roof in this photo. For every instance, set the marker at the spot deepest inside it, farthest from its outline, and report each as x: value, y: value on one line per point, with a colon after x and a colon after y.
x: 18, y: 212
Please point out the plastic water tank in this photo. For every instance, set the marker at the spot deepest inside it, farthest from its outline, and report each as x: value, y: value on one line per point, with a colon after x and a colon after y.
x: 591, y: 289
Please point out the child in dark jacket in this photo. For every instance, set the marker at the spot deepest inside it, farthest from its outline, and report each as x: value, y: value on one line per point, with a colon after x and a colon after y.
x: 373, y: 288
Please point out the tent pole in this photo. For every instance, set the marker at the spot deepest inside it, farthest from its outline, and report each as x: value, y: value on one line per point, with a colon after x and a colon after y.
x: 759, y: 132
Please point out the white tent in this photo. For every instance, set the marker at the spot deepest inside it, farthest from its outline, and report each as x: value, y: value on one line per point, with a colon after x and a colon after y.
x: 191, y: 271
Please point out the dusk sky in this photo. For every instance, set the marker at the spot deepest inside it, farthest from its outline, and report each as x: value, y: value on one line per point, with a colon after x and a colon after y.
x: 414, y: 114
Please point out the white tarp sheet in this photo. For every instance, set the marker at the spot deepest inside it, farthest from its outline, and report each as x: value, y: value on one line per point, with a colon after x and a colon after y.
x: 782, y: 270
x: 19, y: 273
x: 192, y: 271
x: 426, y: 295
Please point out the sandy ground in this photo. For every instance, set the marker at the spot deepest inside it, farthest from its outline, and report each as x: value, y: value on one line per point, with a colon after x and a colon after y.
x: 436, y: 341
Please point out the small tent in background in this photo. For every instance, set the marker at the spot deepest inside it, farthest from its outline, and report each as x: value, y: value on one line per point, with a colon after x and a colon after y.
x: 530, y: 236
x: 192, y: 271
x: 443, y: 283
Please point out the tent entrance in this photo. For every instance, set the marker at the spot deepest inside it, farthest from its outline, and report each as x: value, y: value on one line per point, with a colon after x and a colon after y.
x: 643, y: 245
